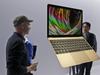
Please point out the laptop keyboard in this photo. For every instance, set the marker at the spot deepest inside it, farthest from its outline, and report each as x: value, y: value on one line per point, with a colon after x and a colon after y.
x: 69, y: 45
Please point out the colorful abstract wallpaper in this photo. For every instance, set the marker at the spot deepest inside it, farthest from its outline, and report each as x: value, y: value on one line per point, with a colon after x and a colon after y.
x: 64, y: 21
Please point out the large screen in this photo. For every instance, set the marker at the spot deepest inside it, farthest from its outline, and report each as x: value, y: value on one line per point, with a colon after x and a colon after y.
x: 63, y: 21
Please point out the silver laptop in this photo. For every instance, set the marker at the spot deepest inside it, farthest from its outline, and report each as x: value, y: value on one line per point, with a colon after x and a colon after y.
x: 64, y: 32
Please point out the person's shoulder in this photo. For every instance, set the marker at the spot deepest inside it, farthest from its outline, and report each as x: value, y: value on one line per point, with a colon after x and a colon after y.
x: 92, y: 34
x: 15, y: 38
x: 28, y: 43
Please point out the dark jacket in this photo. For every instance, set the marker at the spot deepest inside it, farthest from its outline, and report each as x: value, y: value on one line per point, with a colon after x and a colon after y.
x: 16, y: 55
x: 91, y: 39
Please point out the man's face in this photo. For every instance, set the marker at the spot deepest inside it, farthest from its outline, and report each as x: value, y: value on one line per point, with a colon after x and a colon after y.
x: 26, y: 27
x: 85, y: 28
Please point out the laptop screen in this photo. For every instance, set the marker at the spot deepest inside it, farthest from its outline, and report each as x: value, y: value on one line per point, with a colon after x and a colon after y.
x: 63, y: 21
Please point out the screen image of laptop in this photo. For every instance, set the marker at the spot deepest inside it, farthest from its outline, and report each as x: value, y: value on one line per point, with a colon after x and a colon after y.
x: 64, y: 31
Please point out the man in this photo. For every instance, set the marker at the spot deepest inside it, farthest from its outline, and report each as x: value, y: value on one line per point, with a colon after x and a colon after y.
x: 31, y: 52
x: 91, y: 39
x: 29, y: 48
x: 16, y: 53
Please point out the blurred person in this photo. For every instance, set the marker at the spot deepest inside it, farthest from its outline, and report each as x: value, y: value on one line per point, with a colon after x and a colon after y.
x: 31, y: 50
x: 16, y: 53
x: 91, y: 39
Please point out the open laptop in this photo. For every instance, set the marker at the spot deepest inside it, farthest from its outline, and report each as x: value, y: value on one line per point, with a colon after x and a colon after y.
x: 64, y: 32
